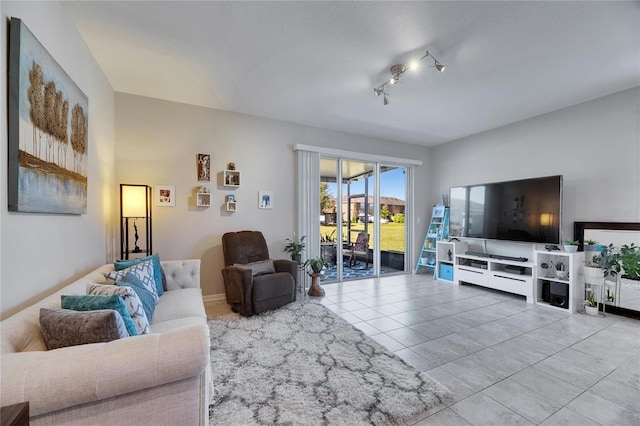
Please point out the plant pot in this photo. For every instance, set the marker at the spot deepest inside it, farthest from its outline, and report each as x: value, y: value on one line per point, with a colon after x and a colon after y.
x: 591, y: 310
x: 570, y: 249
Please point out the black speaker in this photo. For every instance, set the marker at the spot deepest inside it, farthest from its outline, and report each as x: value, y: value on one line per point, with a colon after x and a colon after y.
x: 559, y: 294
x: 546, y: 294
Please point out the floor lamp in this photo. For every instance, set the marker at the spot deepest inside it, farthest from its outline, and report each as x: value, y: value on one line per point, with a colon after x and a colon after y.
x: 135, y: 212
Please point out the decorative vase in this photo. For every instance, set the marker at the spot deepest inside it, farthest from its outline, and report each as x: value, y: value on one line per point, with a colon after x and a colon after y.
x: 591, y: 310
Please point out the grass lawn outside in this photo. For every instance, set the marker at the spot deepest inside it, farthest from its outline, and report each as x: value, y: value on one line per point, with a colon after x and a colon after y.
x: 392, y: 235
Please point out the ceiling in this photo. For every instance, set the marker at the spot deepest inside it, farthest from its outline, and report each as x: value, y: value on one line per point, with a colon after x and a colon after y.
x: 316, y: 63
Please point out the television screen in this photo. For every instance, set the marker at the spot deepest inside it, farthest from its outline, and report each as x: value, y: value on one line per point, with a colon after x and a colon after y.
x: 520, y: 210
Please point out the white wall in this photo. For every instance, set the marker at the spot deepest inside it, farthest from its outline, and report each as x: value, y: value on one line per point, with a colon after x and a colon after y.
x: 40, y: 253
x: 594, y: 145
x: 157, y: 143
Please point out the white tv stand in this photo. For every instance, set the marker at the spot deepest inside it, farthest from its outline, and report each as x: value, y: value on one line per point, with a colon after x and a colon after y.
x: 495, y: 273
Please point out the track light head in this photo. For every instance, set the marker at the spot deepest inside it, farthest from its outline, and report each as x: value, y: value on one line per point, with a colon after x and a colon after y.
x: 398, y: 71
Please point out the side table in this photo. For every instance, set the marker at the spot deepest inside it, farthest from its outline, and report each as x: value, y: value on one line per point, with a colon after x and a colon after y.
x: 315, y: 290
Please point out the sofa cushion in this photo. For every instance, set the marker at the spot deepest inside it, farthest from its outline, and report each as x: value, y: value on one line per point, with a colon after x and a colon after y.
x: 131, y: 300
x: 64, y: 327
x: 157, y: 269
x: 176, y: 304
x: 258, y: 268
x: 270, y: 286
x: 146, y: 296
x: 143, y: 271
x: 94, y: 302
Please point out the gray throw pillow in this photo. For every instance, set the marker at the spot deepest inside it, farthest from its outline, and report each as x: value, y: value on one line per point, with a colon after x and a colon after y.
x: 65, y: 327
x: 258, y: 268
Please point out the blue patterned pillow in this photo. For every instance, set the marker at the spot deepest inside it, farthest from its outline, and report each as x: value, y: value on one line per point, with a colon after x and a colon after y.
x: 146, y: 297
x: 131, y: 301
x: 94, y: 303
x: 157, y: 269
x: 143, y: 271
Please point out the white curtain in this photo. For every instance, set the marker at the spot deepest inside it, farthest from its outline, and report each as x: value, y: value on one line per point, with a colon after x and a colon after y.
x: 309, y: 201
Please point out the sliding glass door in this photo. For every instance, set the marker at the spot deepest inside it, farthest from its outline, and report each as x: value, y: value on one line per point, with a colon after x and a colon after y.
x: 362, y: 227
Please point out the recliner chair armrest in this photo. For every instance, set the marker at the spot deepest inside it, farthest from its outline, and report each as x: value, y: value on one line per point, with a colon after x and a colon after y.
x: 285, y: 265
x: 238, y: 284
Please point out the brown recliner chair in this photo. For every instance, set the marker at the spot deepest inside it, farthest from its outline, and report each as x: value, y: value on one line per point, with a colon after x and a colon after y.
x: 254, y: 283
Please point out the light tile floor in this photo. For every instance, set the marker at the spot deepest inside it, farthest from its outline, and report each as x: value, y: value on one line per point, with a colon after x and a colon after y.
x: 506, y: 362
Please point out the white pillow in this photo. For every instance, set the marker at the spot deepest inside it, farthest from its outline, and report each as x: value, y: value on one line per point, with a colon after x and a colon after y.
x: 144, y: 272
x: 258, y: 268
x: 131, y: 301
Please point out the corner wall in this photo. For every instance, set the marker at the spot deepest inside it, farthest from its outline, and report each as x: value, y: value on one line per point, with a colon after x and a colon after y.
x: 40, y: 252
x: 594, y: 145
x: 157, y: 143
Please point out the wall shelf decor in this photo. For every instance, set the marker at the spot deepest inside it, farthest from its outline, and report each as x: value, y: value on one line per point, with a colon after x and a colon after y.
x: 204, y: 167
x: 165, y: 196
x: 203, y: 197
x: 265, y: 199
x: 231, y: 204
x: 231, y: 178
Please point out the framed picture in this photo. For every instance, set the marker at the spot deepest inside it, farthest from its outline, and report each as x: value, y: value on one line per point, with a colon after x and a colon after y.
x: 265, y: 199
x: 204, y: 167
x: 165, y: 196
x: 48, y: 131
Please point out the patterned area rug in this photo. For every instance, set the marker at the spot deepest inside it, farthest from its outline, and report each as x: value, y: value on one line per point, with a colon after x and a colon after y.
x: 302, y: 364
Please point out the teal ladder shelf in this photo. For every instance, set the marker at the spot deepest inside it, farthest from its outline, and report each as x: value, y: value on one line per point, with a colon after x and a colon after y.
x: 438, y: 230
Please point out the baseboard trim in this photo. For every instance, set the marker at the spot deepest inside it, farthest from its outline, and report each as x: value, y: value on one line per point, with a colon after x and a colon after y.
x: 213, y: 297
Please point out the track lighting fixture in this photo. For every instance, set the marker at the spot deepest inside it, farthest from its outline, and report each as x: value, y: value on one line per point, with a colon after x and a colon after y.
x: 398, y: 71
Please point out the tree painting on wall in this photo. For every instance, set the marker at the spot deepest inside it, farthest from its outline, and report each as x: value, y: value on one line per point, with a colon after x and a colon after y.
x: 48, y: 124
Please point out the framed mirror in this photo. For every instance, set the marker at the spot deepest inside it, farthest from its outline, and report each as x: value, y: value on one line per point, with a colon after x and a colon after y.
x: 627, y: 300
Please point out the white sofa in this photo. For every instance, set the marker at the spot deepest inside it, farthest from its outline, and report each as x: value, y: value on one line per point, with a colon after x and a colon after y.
x: 162, y: 378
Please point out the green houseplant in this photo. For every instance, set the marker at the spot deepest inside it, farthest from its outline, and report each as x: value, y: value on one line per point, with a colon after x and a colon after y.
x: 295, y: 246
x: 316, y: 264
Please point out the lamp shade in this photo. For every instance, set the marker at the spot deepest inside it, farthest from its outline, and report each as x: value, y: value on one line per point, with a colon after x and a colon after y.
x: 134, y: 200
x: 546, y: 219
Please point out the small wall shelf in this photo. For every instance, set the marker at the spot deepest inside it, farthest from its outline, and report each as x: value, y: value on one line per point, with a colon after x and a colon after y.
x: 203, y: 199
x: 231, y: 178
x: 231, y: 206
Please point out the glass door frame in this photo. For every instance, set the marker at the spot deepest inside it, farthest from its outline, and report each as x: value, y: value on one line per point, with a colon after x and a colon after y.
x: 340, y: 221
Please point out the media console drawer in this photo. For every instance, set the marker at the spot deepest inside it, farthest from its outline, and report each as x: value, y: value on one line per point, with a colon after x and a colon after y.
x: 472, y: 275
x: 522, y: 285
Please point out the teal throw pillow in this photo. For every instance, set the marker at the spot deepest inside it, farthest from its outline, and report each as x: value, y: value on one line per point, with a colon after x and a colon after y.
x: 157, y: 269
x: 145, y: 296
x: 144, y: 272
x: 131, y: 301
x: 96, y: 302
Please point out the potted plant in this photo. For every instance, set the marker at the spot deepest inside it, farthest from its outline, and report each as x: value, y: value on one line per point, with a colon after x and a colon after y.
x: 591, y: 304
x: 316, y: 264
x: 295, y: 246
x: 571, y: 246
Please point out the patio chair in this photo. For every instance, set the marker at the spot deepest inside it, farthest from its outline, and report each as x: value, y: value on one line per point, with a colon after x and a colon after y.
x: 359, y: 247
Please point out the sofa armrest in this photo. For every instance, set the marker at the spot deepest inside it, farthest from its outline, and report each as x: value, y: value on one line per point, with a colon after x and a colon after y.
x: 182, y: 273
x: 61, y: 378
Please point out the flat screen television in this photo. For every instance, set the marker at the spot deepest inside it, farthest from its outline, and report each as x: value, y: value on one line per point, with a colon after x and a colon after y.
x: 519, y: 210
